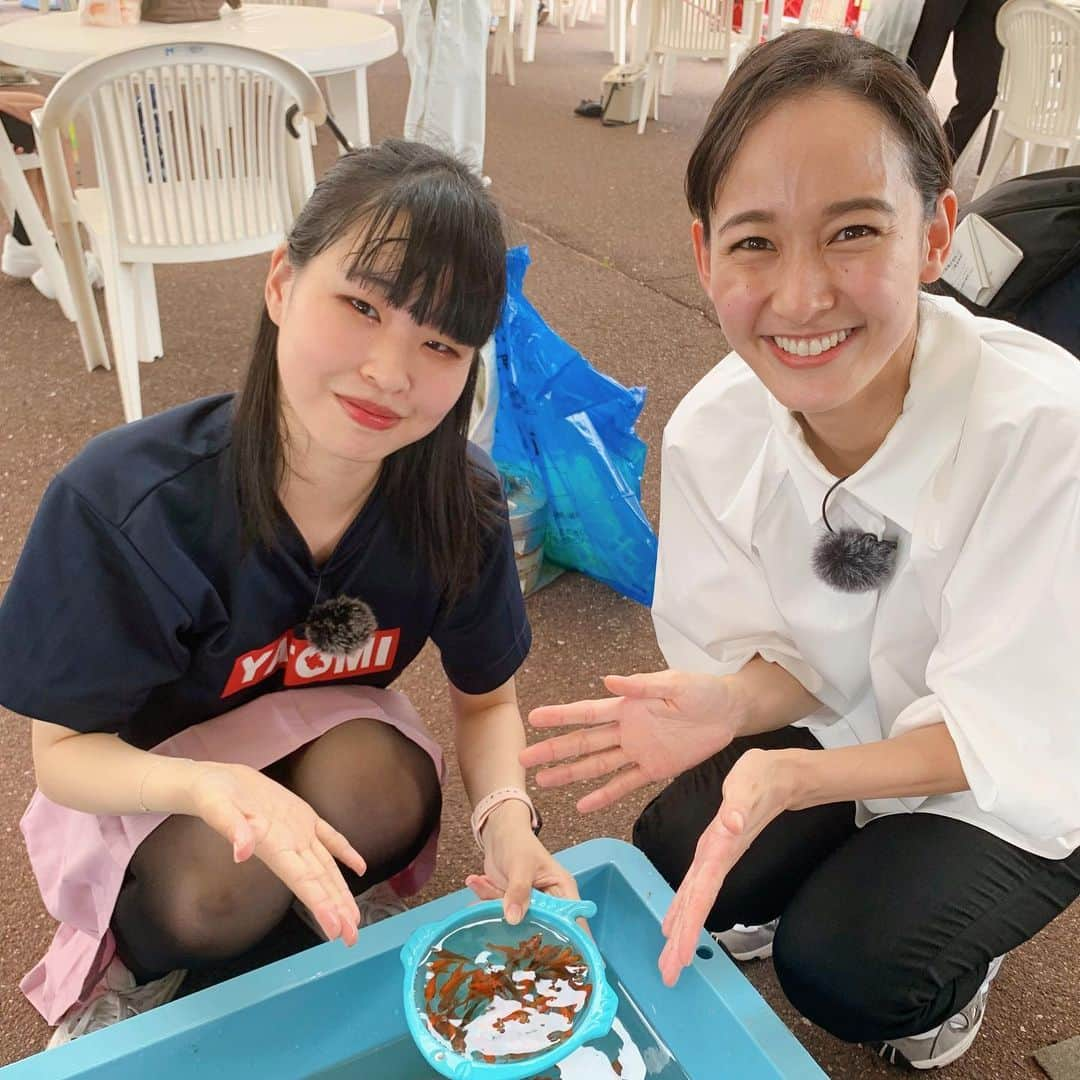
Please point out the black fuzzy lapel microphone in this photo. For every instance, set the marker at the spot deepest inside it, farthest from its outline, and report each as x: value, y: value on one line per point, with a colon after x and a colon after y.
x: 340, y: 626
x: 851, y: 560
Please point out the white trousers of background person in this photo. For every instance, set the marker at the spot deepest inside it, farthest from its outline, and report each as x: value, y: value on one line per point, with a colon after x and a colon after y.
x: 445, y: 45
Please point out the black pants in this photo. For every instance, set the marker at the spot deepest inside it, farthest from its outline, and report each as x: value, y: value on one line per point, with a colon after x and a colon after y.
x: 885, y: 931
x: 21, y: 135
x: 976, y: 59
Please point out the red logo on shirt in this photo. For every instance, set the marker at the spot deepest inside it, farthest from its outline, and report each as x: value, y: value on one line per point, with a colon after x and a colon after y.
x: 304, y: 664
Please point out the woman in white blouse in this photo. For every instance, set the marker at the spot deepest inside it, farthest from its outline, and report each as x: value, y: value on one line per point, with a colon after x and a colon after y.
x: 885, y: 781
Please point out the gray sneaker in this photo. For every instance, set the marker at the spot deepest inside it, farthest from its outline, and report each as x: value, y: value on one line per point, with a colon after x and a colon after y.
x: 945, y: 1044
x: 747, y: 942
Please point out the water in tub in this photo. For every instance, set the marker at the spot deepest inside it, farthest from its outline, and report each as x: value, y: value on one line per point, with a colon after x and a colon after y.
x: 631, y: 1051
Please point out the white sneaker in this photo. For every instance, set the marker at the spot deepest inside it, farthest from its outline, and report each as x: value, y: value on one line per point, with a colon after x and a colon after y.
x: 40, y: 280
x: 18, y: 260
x: 379, y: 902
x: 943, y: 1045
x: 747, y: 942
x: 375, y: 904
x: 121, y: 998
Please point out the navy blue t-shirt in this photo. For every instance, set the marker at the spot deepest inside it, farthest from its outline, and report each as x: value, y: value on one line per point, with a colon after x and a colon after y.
x: 136, y: 608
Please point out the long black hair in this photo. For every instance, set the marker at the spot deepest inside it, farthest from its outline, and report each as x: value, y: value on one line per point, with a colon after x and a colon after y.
x: 427, y: 231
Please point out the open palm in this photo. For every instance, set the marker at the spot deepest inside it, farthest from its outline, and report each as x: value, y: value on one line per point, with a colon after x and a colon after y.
x: 657, y: 726
x: 261, y: 817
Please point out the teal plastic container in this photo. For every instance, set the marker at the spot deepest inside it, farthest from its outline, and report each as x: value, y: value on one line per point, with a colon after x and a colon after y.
x: 336, y: 1013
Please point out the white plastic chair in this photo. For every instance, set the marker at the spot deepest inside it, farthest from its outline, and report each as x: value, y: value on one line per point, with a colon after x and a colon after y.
x: 17, y: 198
x: 502, y: 41
x: 564, y: 11
x: 617, y: 19
x: 742, y: 40
x: 1038, y: 99
x: 527, y: 27
x: 823, y: 14
x: 322, y: 84
x: 195, y: 164
x: 698, y: 28
x: 753, y: 24
x: 527, y: 30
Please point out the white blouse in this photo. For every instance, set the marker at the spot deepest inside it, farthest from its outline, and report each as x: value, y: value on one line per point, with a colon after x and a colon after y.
x: 979, y: 626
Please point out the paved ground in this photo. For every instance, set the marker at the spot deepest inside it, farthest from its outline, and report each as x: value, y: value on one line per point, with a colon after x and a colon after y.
x: 602, y: 212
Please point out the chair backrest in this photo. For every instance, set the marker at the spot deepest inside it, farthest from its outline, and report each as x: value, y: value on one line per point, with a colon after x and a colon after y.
x: 191, y: 146
x: 1039, y: 86
x: 695, y: 27
x: 824, y: 14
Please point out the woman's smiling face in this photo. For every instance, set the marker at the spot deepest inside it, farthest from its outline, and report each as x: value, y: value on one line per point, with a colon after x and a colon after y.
x: 360, y: 379
x: 818, y: 243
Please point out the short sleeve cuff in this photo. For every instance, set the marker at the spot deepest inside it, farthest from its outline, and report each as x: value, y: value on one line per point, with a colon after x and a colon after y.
x: 730, y: 657
x: 734, y: 656
x: 473, y: 681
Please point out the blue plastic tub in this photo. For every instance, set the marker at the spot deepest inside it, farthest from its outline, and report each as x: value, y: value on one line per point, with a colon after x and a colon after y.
x: 338, y: 1012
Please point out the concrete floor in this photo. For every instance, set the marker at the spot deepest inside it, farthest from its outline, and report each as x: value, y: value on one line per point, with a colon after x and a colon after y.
x: 602, y: 212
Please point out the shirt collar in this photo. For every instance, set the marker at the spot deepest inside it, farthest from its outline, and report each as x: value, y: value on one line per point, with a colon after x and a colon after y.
x: 942, y: 371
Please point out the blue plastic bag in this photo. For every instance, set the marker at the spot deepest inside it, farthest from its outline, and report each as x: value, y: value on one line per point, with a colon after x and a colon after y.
x: 563, y: 421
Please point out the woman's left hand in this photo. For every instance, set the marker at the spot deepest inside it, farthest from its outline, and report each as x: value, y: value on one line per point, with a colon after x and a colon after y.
x: 515, y: 862
x: 757, y: 789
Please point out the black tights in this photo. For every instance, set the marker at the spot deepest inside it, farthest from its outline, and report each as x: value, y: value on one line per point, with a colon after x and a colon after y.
x: 186, y: 904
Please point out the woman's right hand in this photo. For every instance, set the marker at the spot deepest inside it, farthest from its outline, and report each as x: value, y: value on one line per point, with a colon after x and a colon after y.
x: 261, y: 817
x: 657, y: 726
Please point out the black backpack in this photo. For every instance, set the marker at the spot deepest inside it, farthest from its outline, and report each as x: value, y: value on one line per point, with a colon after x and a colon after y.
x: 1040, y: 213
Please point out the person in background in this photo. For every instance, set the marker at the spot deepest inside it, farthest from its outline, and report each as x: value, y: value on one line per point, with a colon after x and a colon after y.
x: 18, y: 259
x: 976, y: 60
x: 445, y: 43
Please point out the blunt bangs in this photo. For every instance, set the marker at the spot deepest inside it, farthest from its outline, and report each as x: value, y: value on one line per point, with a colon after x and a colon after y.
x: 433, y: 250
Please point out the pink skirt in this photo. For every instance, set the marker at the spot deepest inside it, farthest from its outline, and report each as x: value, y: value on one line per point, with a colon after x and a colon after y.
x: 80, y: 859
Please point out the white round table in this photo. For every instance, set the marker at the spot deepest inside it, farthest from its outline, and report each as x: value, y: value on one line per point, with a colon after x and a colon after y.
x: 323, y: 41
